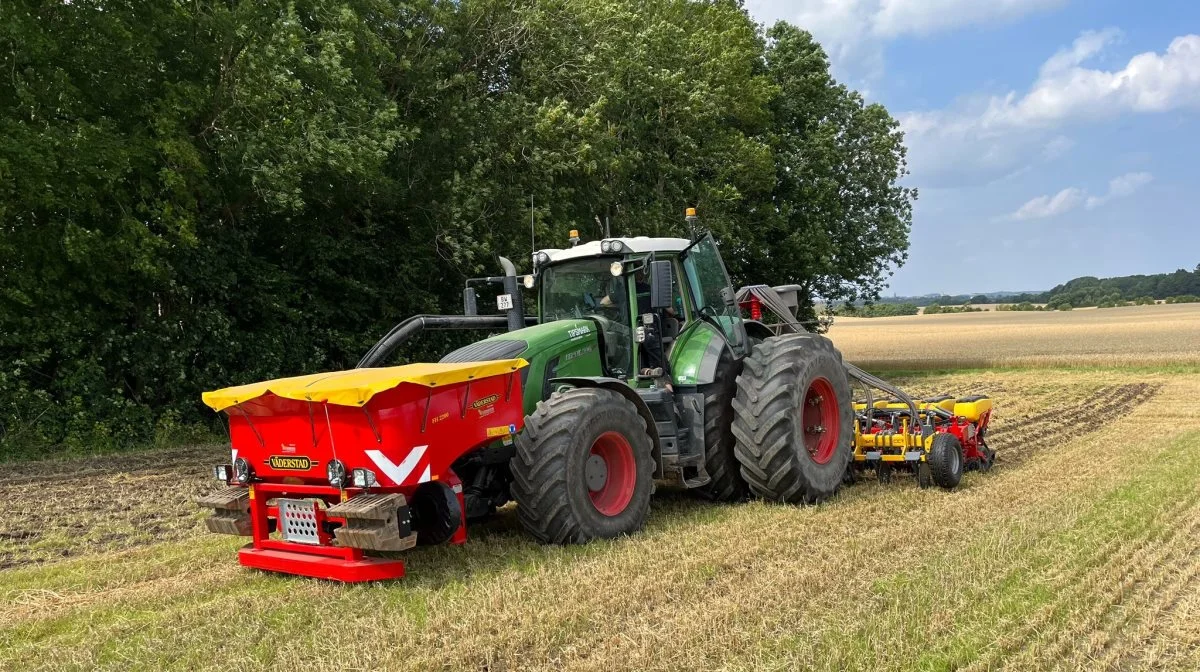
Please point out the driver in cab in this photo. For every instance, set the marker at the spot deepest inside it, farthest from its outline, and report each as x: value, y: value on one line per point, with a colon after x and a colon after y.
x: 651, y: 349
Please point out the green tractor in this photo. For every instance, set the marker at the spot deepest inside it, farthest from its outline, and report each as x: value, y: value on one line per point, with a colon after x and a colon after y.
x: 642, y: 369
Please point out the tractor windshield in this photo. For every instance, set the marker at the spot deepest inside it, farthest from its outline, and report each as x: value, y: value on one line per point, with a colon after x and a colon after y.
x: 586, y: 288
x: 711, y: 291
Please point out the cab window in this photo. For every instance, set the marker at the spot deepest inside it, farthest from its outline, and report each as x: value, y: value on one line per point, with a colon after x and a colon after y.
x: 709, y: 284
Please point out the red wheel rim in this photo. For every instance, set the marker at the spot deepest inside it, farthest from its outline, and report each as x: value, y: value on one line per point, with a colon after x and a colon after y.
x: 820, y: 417
x: 611, y: 473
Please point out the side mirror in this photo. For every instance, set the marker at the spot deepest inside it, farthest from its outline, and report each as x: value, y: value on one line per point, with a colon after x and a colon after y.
x: 662, y: 291
x: 728, y: 296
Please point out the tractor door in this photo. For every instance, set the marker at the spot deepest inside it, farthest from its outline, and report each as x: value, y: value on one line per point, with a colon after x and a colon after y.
x: 712, y: 295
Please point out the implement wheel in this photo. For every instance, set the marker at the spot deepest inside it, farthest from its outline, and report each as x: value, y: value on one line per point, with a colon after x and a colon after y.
x: 583, y: 468
x: 793, y: 419
x: 945, y: 461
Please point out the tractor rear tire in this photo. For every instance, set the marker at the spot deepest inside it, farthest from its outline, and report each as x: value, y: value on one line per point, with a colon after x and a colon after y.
x: 793, y: 419
x: 727, y: 484
x: 945, y: 461
x: 583, y: 468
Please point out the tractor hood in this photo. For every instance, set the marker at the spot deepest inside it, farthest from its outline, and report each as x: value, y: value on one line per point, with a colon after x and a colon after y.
x: 562, y: 348
x: 533, y: 339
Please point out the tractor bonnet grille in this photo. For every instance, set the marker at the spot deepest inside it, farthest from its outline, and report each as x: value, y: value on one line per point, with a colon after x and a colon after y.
x: 486, y: 351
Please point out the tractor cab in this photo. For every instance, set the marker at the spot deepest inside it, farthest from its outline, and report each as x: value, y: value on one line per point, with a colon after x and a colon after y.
x: 668, y: 330
x: 645, y: 295
x: 653, y: 320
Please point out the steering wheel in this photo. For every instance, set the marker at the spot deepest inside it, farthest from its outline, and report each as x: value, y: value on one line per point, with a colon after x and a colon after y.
x: 709, y: 311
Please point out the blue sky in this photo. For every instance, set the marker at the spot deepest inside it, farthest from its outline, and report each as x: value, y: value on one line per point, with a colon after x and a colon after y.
x: 1049, y: 139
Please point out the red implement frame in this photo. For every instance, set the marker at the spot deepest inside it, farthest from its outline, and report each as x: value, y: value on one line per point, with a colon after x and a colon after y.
x: 407, y: 436
x: 321, y: 561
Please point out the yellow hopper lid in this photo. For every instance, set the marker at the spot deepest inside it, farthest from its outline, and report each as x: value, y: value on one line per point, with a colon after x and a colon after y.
x: 356, y: 386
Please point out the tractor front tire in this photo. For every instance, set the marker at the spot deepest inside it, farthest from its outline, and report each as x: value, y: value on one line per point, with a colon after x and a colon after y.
x: 727, y: 484
x: 793, y: 419
x: 583, y: 468
x: 945, y: 461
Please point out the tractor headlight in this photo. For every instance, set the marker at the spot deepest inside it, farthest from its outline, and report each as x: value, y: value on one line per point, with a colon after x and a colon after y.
x: 222, y: 472
x: 617, y: 268
x: 616, y: 246
x: 528, y: 282
x: 605, y: 246
x: 541, y: 258
x: 242, y: 471
x: 363, y: 478
x: 336, y: 471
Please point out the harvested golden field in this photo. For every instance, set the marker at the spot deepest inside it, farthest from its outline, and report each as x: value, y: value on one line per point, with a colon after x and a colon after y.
x: 1130, y: 336
x: 1081, y: 550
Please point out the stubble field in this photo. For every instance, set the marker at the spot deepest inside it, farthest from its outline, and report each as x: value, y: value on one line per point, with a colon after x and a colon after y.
x: 1080, y: 551
x: 1154, y: 336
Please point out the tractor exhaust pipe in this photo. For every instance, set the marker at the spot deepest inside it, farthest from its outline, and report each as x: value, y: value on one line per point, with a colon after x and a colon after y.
x: 516, y: 313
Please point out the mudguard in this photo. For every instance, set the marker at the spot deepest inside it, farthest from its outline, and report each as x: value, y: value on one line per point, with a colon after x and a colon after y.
x: 695, y: 354
x: 757, y: 331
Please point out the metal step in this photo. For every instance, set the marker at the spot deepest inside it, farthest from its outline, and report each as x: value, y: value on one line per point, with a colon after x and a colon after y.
x: 681, y: 464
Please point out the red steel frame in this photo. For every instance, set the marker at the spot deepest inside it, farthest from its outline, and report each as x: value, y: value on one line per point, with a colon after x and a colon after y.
x: 955, y: 426
x: 442, y: 424
x: 970, y: 445
x: 323, y: 560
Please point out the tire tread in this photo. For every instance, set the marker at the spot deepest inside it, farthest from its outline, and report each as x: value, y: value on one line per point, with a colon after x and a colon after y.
x: 765, y: 418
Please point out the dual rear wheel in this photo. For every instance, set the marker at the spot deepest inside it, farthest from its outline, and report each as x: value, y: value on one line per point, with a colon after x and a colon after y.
x: 793, y: 419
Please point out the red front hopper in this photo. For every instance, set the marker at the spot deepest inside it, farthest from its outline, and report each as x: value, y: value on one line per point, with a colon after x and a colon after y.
x: 325, y: 466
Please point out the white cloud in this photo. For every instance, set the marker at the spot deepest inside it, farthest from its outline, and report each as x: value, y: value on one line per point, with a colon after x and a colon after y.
x: 1087, y: 45
x: 854, y: 32
x: 1072, y: 197
x: 1150, y: 82
x: 1120, y: 187
x: 983, y: 138
x: 1057, y: 148
x: 843, y: 28
x: 1049, y: 206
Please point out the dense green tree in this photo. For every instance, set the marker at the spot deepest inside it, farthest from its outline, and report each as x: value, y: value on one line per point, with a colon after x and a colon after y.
x: 197, y: 194
x: 1090, y: 291
x: 176, y: 182
x: 837, y: 218
x: 877, y: 310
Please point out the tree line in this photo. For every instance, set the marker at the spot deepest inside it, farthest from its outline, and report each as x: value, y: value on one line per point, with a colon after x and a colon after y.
x: 1142, y: 289
x: 1178, y: 287
x: 206, y: 193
